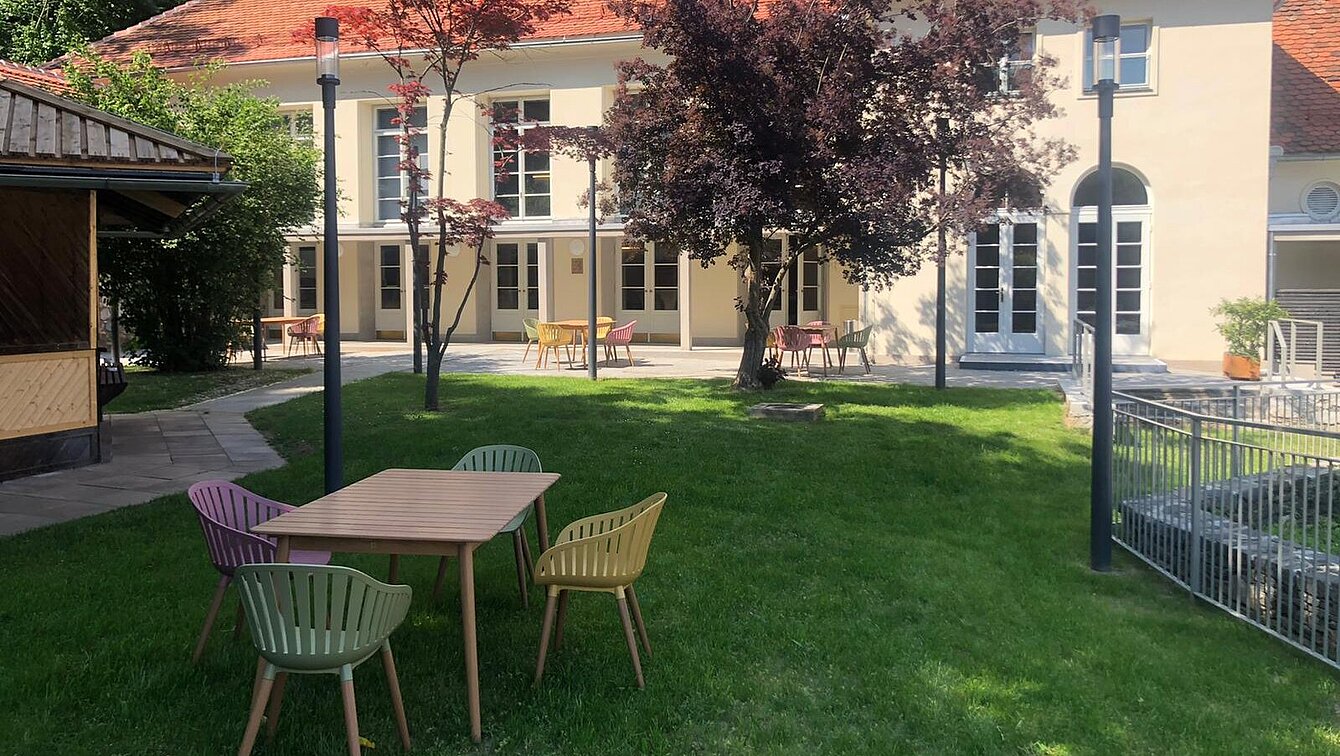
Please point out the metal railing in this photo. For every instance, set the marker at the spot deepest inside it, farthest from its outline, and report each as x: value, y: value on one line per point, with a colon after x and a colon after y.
x: 1239, y: 510
x: 1081, y: 355
x: 1294, y: 348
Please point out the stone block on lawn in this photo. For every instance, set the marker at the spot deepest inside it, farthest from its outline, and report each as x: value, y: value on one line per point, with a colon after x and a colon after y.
x: 807, y: 413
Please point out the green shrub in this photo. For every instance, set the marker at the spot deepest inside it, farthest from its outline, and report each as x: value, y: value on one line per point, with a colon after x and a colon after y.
x: 1243, y: 323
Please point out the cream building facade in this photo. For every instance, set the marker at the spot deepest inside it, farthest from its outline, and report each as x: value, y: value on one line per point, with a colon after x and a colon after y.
x: 1192, y: 140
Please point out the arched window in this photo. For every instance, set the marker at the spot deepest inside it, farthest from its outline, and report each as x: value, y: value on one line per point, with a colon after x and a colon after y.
x: 1127, y: 189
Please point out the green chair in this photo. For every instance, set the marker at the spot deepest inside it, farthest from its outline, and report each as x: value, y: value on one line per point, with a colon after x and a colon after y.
x: 318, y: 619
x: 857, y: 340
x: 532, y: 327
x: 502, y: 458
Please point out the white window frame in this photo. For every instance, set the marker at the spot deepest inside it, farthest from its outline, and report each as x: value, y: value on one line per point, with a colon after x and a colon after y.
x: 404, y: 175
x: 1122, y: 344
x: 289, y: 118
x: 1008, y: 65
x: 519, y: 169
x: 300, y: 268
x: 382, y: 267
x: 1151, y: 39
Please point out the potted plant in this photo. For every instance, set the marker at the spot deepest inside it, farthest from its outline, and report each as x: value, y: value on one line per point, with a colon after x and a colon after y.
x: 1243, y: 323
x: 770, y: 372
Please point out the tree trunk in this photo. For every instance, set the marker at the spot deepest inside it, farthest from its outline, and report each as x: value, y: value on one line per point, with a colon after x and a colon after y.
x: 756, y: 321
x: 430, y: 391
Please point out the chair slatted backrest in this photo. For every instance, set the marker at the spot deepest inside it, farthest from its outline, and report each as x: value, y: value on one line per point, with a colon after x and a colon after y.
x: 320, y: 611
x: 551, y: 333
x: 621, y: 335
x: 532, y: 327
x: 500, y: 458
x: 611, y: 546
x: 793, y: 338
x: 856, y: 339
x: 227, y: 512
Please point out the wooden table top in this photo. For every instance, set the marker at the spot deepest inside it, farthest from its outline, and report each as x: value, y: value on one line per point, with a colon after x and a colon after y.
x: 272, y: 319
x: 580, y: 324
x: 818, y: 328
x: 416, y: 505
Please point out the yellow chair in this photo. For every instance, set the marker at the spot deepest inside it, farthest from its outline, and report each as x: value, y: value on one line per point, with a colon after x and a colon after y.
x: 604, y: 553
x: 554, y: 338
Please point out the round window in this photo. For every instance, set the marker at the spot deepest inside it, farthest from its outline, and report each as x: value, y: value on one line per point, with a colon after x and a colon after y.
x: 1321, y: 201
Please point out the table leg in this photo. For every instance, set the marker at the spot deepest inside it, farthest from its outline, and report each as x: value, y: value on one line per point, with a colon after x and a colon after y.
x: 467, y: 569
x: 541, y: 524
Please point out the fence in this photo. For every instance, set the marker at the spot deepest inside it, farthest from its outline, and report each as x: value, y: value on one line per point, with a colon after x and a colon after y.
x: 1081, y: 355
x: 1225, y: 498
x: 1294, y: 349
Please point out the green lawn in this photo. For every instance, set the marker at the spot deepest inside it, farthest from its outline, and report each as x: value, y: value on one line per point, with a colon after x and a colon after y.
x: 151, y: 390
x: 908, y: 576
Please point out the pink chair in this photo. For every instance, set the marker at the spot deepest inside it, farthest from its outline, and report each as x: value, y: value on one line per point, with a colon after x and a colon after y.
x: 227, y: 512
x: 795, y: 340
x: 307, y: 332
x: 620, y: 337
x: 820, y: 340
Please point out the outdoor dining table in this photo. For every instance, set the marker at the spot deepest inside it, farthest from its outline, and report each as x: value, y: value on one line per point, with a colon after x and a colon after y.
x: 580, y: 327
x: 283, y: 321
x: 823, y: 329
x: 432, y: 512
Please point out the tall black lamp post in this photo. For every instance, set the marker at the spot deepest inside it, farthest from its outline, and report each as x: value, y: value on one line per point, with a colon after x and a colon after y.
x: 328, y: 76
x: 942, y: 251
x: 1106, y: 41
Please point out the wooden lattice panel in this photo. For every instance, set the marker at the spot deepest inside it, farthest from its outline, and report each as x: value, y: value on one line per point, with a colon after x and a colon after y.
x: 44, y: 393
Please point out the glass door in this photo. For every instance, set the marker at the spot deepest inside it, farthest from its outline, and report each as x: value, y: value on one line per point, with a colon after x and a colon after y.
x: 649, y: 286
x: 516, y: 276
x: 1005, y: 264
x: 1130, y: 279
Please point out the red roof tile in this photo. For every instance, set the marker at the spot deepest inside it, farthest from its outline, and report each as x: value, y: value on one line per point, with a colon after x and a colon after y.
x: 255, y: 30
x: 33, y: 77
x: 1306, y: 92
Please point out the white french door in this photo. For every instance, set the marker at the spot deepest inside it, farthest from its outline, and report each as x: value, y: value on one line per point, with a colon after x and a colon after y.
x: 516, y: 283
x: 799, y: 300
x: 1130, y: 258
x: 649, y: 286
x: 1005, y: 266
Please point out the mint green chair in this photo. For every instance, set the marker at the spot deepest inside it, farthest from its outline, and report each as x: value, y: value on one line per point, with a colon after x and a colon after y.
x: 318, y: 619
x: 857, y: 340
x: 532, y: 327
x: 502, y: 458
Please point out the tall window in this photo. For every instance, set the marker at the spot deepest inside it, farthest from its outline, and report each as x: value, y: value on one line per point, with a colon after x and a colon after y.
x: 772, y: 266
x: 277, y: 290
x: 809, y: 281
x: 1016, y: 67
x: 389, y: 264
x: 307, y: 278
x: 393, y: 183
x: 521, y: 184
x: 1133, y: 70
x: 298, y: 124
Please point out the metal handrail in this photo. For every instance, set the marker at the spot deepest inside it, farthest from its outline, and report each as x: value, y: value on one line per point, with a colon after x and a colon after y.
x: 1253, y: 424
x: 1288, y: 346
x: 1081, y: 355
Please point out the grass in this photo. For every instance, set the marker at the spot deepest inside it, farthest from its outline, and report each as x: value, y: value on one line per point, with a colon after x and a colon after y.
x: 907, y: 576
x: 151, y: 390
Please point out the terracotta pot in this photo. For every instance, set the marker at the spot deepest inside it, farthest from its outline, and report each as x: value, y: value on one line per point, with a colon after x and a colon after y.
x: 1241, y: 368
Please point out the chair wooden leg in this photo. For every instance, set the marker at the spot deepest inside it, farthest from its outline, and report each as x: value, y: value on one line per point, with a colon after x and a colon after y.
x: 210, y: 616
x: 276, y: 702
x: 526, y: 356
x: 350, y: 710
x: 258, y: 699
x: 239, y: 619
x: 441, y: 578
x: 562, y: 618
x: 628, y: 636
x: 842, y: 359
x: 865, y: 359
x: 525, y: 552
x: 550, y: 604
x: 397, y: 703
x: 629, y: 351
x: 637, y: 619
x: 520, y: 569
x: 393, y: 571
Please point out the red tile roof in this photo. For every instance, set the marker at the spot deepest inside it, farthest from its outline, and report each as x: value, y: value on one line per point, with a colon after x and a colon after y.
x: 256, y: 30
x: 34, y: 77
x: 1306, y: 93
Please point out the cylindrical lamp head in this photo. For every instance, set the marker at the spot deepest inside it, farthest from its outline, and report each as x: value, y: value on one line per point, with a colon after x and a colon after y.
x: 1106, y: 47
x: 327, y: 48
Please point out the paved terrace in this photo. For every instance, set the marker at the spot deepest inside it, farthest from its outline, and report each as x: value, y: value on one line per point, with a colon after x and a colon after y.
x: 160, y: 453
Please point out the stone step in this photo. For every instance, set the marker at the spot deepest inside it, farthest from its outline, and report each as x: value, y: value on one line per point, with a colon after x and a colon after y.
x: 1045, y: 363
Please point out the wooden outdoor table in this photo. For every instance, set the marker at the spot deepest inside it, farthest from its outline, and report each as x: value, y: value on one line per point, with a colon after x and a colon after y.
x: 581, y: 327
x: 436, y: 512
x: 823, y: 330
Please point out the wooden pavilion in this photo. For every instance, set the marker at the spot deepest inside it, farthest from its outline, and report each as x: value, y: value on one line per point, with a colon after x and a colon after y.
x: 70, y: 174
